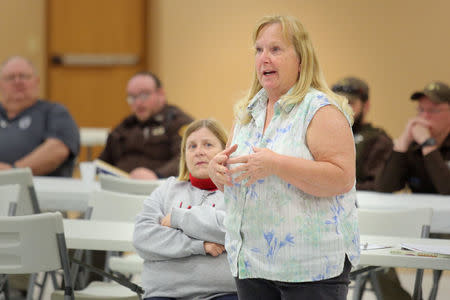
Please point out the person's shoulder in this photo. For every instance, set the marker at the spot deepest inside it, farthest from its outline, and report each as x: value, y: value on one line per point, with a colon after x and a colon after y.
x: 369, y: 129
x: 174, y: 112
x: 174, y: 184
x: 50, y: 107
x: 315, y: 99
x: 127, y: 122
x: 175, y: 119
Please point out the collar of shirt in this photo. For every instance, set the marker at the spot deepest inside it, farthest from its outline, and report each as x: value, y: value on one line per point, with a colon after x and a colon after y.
x: 259, y: 103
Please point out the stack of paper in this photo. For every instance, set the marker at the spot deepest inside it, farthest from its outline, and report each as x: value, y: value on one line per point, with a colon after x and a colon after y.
x: 427, y: 248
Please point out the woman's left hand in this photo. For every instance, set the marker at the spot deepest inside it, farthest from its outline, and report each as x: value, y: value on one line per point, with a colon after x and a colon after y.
x: 254, y: 166
x: 166, y: 221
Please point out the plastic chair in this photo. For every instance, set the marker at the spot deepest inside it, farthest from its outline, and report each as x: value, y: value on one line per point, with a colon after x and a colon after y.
x: 131, y: 263
x: 112, y: 206
x: 32, y: 244
x: 13, y: 196
x: 108, y: 206
x: 127, y: 185
x: 413, y: 223
x: 9, y: 196
x: 28, y: 202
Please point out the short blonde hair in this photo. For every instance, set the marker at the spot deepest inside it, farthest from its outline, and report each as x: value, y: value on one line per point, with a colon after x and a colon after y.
x: 214, y: 126
x: 310, y: 73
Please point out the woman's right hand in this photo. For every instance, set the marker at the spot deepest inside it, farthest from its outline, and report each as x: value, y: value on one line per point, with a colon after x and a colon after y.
x: 213, y: 249
x: 218, y: 170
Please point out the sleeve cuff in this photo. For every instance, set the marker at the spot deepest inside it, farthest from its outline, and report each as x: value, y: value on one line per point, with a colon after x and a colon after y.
x: 198, y: 247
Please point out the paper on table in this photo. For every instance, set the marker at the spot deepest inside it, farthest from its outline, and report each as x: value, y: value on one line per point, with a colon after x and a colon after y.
x: 367, y: 246
x: 427, y: 248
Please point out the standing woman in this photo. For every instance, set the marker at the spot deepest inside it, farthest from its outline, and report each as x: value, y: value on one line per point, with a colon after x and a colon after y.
x: 180, y: 232
x: 289, y: 175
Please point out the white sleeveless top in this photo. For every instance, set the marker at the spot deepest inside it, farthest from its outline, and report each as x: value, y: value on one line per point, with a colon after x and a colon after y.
x: 276, y: 231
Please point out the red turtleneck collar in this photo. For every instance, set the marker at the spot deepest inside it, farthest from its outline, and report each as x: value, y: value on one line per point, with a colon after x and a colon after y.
x: 204, y: 184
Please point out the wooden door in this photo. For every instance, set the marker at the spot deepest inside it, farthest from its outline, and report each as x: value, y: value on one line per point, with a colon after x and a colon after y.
x: 93, y: 49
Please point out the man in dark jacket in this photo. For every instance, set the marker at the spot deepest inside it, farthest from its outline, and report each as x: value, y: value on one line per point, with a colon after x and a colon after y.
x: 421, y: 156
x: 147, y: 143
x: 373, y: 145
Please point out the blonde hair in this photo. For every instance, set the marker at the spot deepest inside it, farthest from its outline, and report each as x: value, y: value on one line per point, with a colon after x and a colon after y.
x: 310, y: 73
x: 214, y: 126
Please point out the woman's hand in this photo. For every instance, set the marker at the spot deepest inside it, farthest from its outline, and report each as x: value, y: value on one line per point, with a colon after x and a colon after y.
x: 255, y: 166
x: 166, y: 221
x: 218, y: 170
x: 213, y: 249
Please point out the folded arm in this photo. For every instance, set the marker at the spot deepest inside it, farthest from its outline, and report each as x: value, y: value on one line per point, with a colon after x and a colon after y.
x: 156, y: 242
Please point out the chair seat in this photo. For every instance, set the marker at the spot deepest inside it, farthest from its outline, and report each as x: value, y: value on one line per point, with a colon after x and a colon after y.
x: 100, y: 290
x: 128, y: 264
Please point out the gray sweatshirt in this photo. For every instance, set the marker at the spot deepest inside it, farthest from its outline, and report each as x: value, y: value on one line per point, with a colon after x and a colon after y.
x: 176, y: 264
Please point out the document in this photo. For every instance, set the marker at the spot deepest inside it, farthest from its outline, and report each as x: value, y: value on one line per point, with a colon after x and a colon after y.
x: 104, y: 167
x: 427, y: 248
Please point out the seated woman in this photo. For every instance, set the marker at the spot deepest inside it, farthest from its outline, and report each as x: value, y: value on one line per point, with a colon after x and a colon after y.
x: 180, y: 231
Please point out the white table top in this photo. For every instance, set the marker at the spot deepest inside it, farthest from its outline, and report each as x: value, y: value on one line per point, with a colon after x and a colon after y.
x: 90, y: 136
x: 384, y: 258
x: 117, y: 236
x: 440, y: 204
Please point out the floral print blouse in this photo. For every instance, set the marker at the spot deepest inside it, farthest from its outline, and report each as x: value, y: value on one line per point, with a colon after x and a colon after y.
x: 276, y: 231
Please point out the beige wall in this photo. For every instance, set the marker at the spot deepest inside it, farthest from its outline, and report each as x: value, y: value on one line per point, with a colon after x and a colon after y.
x: 202, y: 49
x: 22, y: 32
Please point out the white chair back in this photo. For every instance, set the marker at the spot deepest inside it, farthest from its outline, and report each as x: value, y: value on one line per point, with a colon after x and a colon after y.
x: 28, y: 203
x: 113, y: 206
x: 29, y: 244
x: 9, y: 196
x: 395, y: 222
x: 127, y: 185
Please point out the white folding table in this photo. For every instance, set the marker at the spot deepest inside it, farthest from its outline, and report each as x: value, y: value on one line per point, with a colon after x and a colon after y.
x: 117, y: 236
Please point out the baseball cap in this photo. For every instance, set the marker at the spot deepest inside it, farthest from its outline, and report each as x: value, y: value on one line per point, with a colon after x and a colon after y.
x: 436, y: 91
x: 351, y: 87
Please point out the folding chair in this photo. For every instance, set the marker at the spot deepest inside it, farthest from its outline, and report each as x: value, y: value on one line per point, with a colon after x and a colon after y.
x: 127, y: 185
x: 28, y: 202
x: 400, y: 222
x: 108, y: 206
x: 131, y: 263
x: 32, y: 244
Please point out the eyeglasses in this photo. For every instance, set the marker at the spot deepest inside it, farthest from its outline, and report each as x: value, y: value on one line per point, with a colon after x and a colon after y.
x: 143, y: 96
x: 19, y: 76
x: 431, y: 110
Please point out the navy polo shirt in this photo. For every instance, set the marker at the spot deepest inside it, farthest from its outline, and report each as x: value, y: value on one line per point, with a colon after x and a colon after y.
x: 29, y: 129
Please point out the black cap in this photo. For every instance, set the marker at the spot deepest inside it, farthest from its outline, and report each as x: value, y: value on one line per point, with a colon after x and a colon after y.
x: 351, y: 87
x: 436, y: 91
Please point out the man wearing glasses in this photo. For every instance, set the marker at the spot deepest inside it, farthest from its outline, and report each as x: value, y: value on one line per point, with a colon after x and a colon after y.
x: 421, y: 156
x: 33, y: 133
x: 147, y: 143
